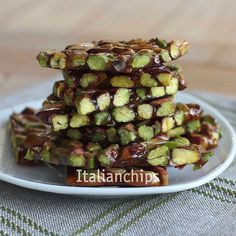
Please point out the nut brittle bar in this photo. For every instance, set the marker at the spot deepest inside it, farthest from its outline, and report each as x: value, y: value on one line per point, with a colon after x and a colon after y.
x: 56, y: 149
x: 62, y: 118
x: 154, y: 77
x: 113, y: 56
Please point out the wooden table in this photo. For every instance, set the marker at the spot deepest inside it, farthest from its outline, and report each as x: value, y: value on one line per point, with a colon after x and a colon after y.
x: 28, y: 26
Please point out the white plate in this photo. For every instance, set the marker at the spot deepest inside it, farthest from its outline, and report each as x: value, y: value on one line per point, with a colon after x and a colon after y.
x: 50, y: 180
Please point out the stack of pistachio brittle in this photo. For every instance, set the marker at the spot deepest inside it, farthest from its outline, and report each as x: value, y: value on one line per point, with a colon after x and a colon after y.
x: 115, y: 113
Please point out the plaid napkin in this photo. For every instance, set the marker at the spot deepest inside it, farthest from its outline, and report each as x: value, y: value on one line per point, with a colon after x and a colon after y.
x: 208, y: 210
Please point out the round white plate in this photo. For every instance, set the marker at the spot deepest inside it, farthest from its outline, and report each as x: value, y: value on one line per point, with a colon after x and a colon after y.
x: 50, y: 180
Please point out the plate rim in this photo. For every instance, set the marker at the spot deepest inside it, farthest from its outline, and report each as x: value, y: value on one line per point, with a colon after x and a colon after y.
x: 131, y: 191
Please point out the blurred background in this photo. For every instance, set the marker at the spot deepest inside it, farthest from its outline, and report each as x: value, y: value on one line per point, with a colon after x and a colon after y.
x: 28, y: 26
